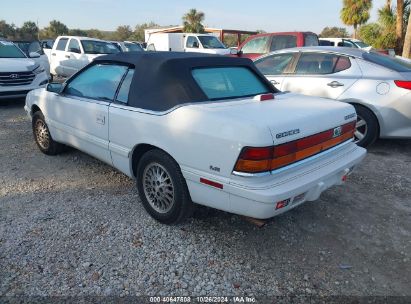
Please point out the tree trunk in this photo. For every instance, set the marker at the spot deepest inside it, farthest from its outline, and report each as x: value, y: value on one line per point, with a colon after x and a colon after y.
x: 355, y: 31
x: 388, y: 5
x: 407, y: 41
x: 400, y: 23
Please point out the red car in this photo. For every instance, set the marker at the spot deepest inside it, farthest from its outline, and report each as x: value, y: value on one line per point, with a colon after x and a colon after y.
x: 257, y: 45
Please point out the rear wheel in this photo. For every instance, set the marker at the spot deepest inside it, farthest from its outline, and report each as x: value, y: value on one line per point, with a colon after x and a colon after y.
x: 162, y: 188
x: 367, y: 127
x: 43, y: 137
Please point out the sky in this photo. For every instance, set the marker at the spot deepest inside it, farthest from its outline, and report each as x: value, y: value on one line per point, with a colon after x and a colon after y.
x: 270, y: 16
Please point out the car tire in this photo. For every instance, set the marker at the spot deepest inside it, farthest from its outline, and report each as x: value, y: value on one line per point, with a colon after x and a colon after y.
x: 367, y: 128
x: 162, y: 188
x: 43, y: 137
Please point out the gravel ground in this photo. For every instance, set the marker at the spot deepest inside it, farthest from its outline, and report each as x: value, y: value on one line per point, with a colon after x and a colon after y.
x: 71, y: 225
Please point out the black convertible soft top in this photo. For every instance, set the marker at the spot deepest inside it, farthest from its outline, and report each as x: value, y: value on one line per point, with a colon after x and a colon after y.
x: 163, y: 80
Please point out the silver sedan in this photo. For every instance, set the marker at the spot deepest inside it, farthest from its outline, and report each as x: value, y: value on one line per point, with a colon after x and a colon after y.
x: 377, y: 85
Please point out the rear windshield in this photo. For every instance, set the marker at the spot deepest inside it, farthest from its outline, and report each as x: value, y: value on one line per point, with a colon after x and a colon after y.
x: 310, y: 40
x: 228, y: 82
x: 388, y: 62
x: 9, y: 50
x: 98, y: 47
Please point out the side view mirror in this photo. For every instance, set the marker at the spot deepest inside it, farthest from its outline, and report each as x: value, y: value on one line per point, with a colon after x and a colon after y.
x: 196, y: 45
x: 34, y: 55
x: 233, y: 51
x: 75, y: 50
x: 55, y: 87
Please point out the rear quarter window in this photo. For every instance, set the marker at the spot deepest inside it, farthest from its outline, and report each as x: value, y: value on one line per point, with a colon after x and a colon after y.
x: 229, y: 82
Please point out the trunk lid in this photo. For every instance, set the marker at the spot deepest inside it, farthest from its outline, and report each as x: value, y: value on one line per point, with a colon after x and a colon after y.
x: 289, y: 116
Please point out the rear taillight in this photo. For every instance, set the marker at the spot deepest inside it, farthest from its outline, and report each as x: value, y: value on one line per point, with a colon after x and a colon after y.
x: 403, y: 84
x: 259, y: 160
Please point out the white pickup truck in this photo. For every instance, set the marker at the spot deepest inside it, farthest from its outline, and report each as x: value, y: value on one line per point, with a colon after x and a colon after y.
x: 71, y: 53
x: 184, y: 42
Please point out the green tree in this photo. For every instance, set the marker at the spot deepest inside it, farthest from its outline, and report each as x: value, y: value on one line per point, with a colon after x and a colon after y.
x: 94, y: 33
x: 122, y: 33
x: 55, y: 28
x: 355, y: 13
x: 138, y: 34
x: 7, y: 30
x: 334, y: 32
x: 29, y: 31
x: 77, y: 32
x: 192, y: 21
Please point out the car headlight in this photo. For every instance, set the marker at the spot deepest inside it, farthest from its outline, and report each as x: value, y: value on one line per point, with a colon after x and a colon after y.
x: 38, y: 70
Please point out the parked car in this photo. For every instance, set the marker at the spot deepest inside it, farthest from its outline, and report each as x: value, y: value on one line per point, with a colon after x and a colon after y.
x: 186, y: 42
x: 71, y: 53
x: 378, y: 86
x: 18, y: 73
x: 353, y: 43
x: 257, y: 45
x: 196, y: 128
x: 345, y: 42
x: 35, y: 46
x: 128, y: 46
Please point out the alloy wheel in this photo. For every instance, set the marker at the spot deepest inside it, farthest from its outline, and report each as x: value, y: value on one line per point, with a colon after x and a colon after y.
x: 42, y: 134
x: 361, y: 129
x: 158, y: 188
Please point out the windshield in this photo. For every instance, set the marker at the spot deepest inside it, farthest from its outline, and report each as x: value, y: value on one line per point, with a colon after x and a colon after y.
x: 132, y: 47
x: 9, y: 50
x: 98, y: 47
x: 211, y: 42
x: 388, y: 62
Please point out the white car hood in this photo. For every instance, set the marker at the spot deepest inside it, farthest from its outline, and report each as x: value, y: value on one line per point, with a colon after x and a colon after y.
x: 17, y: 64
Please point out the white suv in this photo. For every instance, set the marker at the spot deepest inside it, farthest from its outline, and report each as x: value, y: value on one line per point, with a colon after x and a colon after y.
x: 19, y: 74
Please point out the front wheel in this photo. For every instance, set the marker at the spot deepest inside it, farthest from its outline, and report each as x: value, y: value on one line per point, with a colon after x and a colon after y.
x: 43, y: 137
x: 162, y: 188
x: 367, y: 129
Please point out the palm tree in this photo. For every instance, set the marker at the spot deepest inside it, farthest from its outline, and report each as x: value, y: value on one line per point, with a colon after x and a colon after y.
x: 192, y: 21
x: 355, y: 12
x: 400, y: 24
x: 407, y: 41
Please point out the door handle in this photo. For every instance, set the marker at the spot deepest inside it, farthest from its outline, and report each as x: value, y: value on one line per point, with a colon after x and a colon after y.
x: 335, y: 84
x: 274, y: 82
x: 101, y: 119
x: 67, y: 56
x: 53, y: 54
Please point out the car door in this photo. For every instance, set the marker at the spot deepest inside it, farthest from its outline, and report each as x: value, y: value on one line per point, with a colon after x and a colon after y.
x: 255, y: 47
x: 58, y: 56
x: 73, y: 55
x: 80, y: 112
x: 274, y: 66
x: 322, y: 74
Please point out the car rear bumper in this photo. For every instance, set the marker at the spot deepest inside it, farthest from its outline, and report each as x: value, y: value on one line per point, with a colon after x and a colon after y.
x: 259, y: 200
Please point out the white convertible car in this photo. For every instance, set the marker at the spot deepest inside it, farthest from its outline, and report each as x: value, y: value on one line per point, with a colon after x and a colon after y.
x: 199, y: 128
